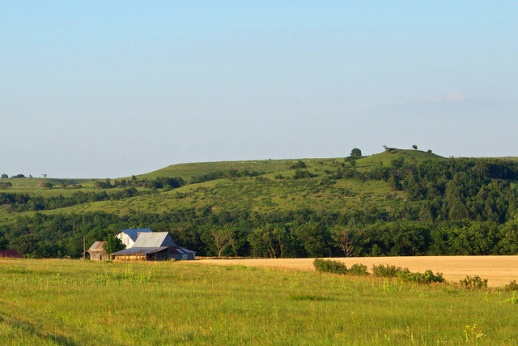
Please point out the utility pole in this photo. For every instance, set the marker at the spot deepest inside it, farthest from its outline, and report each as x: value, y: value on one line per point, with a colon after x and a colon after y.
x: 84, y: 248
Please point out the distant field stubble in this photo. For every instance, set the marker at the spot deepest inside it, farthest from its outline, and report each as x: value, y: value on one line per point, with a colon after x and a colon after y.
x: 499, y: 270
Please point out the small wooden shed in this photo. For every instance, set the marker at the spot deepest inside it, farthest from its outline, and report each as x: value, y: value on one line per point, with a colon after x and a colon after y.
x: 96, y: 252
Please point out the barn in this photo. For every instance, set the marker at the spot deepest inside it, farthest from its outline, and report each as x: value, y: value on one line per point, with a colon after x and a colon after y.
x: 96, y: 252
x: 154, y: 246
x: 160, y: 253
x: 10, y: 254
x: 129, y: 236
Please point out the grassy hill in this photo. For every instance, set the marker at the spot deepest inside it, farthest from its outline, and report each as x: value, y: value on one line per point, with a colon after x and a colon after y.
x: 189, y: 170
x: 269, y: 186
x: 410, y: 156
x: 398, y: 202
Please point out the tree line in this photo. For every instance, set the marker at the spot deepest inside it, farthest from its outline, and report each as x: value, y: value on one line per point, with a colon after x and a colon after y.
x: 21, y: 202
x: 301, y: 233
x: 455, y: 207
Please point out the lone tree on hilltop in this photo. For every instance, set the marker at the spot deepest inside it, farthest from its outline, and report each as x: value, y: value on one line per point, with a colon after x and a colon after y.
x: 356, y: 153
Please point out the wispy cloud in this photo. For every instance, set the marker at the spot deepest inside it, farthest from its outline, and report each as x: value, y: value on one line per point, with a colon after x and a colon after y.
x: 454, y: 96
x: 454, y: 104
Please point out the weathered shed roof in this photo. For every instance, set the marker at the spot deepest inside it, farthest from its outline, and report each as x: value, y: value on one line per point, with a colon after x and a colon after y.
x: 154, y: 239
x: 97, y: 247
x: 140, y: 251
x: 134, y: 232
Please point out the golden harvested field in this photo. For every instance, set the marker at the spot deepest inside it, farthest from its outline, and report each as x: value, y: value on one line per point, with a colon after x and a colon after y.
x: 499, y: 270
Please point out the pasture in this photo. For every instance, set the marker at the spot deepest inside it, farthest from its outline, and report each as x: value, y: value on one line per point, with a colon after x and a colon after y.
x: 72, y: 302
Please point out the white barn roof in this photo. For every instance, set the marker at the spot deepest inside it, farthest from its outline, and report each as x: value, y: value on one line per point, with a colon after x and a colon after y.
x: 154, y: 239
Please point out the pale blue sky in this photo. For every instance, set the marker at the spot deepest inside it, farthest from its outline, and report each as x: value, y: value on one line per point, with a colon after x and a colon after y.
x: 115, y: 88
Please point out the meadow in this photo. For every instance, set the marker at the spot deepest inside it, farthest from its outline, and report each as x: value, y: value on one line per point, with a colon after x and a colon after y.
x: 72, y: 302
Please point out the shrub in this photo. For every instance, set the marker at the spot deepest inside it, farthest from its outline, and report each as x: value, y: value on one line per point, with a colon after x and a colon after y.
x: 513, y: 286
x: 474, y: 282
x: 298, y: 165
x: 385, y: 271
x: 358, y: 269
x: 336, y: 267
x: 5, y: 185
x: 329, y: 266
x: 427, y: 277
x: 302, y: 174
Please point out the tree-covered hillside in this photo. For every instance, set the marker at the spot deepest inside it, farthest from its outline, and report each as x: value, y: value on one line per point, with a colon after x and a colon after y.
x: 399, y: 202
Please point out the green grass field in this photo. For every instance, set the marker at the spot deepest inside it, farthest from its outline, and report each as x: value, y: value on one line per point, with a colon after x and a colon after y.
x: 188, y: 170
x: 71, y: 302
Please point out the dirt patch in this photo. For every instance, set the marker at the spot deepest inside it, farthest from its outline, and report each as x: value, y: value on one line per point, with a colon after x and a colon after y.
x: 499, y: 270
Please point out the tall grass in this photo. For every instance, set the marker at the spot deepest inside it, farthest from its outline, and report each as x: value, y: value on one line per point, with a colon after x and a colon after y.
x: 66, y: 302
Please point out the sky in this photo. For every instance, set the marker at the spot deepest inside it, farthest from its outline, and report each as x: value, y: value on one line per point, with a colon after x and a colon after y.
x: 108, y: 89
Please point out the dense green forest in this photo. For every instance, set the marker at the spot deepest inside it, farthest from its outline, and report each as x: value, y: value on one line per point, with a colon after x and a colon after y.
x: 400, y: 202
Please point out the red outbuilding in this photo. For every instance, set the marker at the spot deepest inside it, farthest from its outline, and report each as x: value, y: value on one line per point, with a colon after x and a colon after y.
x: 10, y: 254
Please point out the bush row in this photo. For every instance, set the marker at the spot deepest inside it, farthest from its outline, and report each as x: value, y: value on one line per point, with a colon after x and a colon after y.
x: 336, y: 267
x: 405, y: 274
x: 386, y: 271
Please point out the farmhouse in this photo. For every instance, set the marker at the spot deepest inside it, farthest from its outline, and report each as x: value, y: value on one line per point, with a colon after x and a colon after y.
x: 96, y: 252
x: 129, y: 236
x: 10, y: 254
x: 154, y: 246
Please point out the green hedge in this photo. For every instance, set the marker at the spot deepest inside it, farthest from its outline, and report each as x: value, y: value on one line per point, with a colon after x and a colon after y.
x: 386, y: 271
